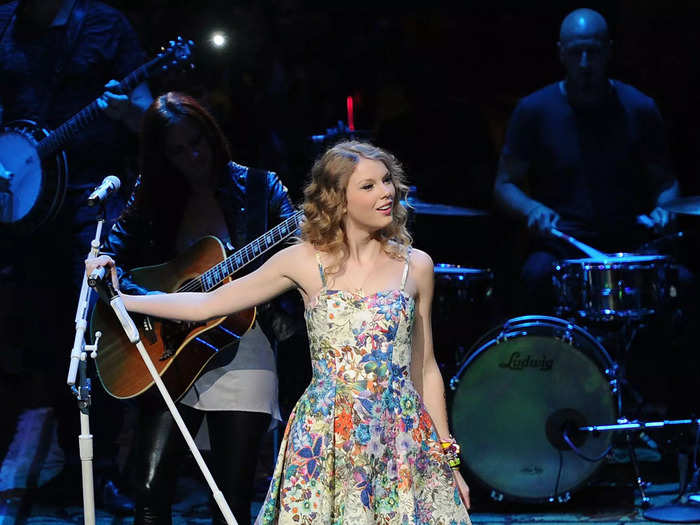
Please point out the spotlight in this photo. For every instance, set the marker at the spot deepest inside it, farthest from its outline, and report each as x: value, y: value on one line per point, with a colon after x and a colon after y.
x: 218, y: 39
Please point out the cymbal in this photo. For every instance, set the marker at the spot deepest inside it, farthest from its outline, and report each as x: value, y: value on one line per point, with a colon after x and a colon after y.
x: 428, y: 208
x: 684, y: 205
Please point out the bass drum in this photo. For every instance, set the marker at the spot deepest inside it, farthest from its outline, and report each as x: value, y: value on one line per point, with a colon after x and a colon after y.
x: 518, y: 389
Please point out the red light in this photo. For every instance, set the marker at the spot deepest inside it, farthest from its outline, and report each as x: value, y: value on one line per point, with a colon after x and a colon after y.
x: 351, y: 114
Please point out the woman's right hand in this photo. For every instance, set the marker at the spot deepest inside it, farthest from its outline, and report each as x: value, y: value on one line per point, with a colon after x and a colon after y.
x: 102, y: 261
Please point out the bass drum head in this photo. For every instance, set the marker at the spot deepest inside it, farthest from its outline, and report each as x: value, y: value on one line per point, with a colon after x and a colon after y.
x: 519, y: 387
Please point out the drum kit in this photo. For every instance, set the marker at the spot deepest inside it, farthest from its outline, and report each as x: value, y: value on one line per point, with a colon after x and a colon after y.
x: 537, y: 402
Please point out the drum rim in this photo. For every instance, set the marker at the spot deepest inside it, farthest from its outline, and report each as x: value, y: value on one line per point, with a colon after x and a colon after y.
x: 522, y: 322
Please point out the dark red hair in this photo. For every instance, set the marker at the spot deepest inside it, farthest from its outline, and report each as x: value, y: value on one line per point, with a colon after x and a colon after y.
x: 164, y: 190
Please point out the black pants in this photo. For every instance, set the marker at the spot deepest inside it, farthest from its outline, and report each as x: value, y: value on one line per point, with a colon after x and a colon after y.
x: 235, y: 443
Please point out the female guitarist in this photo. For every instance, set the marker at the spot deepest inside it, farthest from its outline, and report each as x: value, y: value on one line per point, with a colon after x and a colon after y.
x: 189, y: 188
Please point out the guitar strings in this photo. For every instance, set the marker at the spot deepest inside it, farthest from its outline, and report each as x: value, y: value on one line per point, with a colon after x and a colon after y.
x: 216, y: 274
x: 244, y: 256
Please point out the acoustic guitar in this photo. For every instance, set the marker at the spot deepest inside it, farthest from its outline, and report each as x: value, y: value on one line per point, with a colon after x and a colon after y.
x: 179, y: 350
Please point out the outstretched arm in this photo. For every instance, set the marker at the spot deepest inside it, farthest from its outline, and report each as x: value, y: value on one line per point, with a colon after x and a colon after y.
x: 276, y: 276
x: 425, y: 372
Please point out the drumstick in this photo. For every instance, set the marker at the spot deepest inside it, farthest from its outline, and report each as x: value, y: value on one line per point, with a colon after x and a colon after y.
x: 588, y: 250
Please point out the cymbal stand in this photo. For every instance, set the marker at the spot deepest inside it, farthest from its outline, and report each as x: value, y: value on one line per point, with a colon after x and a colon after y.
x: 622, y: 339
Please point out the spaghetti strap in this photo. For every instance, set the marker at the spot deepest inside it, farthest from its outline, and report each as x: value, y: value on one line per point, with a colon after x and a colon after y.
x: 405, y: 269
x: 320, y: 270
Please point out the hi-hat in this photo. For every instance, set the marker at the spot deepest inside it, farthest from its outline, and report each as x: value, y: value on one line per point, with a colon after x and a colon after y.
x: 684, y: 205
x: 428, y: 208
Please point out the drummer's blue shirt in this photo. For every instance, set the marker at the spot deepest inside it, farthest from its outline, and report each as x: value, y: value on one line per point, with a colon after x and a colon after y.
x: 591, y: 166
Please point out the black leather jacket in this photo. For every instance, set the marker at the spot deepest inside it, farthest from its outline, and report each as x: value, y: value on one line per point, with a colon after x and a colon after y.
x: 133, y: 243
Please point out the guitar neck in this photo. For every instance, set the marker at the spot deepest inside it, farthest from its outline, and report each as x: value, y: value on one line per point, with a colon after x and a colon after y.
x: 226, y: 268
x: 59, y: 138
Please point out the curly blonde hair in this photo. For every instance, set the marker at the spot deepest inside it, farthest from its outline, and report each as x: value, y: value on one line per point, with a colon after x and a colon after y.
x: 325, y: 199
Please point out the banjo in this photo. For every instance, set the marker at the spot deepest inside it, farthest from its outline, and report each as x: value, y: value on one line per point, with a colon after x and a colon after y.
x: 33, y: 165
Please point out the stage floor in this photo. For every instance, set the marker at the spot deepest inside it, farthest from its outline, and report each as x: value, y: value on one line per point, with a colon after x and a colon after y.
x: 31, y: 458
x: 193, y: 509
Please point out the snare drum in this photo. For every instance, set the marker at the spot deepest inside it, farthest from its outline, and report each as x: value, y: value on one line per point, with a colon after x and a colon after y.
x: 618, y: 286
x: 519, y: 387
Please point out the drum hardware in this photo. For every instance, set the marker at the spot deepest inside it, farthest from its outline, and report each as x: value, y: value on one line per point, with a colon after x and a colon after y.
x: 623, y: 424
x: 678, y: 512
x: 420, y: 207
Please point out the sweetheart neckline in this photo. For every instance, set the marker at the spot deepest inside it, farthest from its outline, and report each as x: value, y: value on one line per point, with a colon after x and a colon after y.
x: 314, y: 299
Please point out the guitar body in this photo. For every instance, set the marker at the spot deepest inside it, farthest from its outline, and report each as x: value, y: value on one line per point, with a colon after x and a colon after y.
x: 37, y: 187
x: 180, y: 350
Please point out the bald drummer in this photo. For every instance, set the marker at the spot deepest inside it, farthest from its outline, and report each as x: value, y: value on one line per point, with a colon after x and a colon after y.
x: 586, y: 154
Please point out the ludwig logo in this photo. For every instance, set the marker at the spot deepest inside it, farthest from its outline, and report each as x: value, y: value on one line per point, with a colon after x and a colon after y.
x: 519, y: 363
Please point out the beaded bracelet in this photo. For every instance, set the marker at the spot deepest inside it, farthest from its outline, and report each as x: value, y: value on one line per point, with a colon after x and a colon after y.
x: 451, y: 449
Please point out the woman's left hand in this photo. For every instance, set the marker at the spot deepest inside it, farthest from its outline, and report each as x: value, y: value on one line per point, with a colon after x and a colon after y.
x: 463, y: 489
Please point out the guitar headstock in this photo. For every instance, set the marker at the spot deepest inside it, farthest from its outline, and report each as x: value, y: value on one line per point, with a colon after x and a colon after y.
x: 177, y: 55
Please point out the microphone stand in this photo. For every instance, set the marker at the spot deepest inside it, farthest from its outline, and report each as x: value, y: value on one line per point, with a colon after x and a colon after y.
x: 78, y: 363
x: 107, y: 293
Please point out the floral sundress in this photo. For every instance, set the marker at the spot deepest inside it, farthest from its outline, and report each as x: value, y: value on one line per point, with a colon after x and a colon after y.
x: 360, y: 447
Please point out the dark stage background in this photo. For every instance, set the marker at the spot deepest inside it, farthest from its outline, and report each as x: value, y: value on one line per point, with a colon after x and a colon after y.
x: 453, y: 70
x: 435, y: 83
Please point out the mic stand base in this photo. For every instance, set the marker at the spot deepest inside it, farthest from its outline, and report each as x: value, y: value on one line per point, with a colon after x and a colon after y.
x: 82, y: 391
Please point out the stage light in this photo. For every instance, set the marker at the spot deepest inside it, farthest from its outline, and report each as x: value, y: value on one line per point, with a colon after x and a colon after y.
x: 218, y: 39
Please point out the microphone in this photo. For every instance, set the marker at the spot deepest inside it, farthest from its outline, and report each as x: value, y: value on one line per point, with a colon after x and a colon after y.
x: 109, y: 185
x: 565, y: 421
